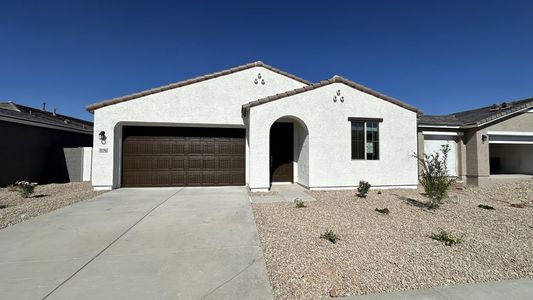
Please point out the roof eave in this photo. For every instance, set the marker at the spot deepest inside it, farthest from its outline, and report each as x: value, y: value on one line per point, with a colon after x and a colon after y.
x: 334, y: 79
x: 92, y: 107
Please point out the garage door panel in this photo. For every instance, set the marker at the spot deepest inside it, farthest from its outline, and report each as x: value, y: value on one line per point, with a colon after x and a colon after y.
x: 138, y: 164
x: 161, y: 179
x: 163, y: 147
x: 194, y: 178
x: 433, y: 144
x: 194, y: 163
x: 237, y: 163
x: 178, y: 147
x: 224, y: 178
x: 209, y: 163
x: 209, y: 178
x: 163, y: 163
x: 138, y: 179
x: 209, y: 148
x: 224, y: 163
x: 183, y: 156
x: 237, y: 177
x: 178, y: 178
x: 194, y: 148
x: 179, y: 163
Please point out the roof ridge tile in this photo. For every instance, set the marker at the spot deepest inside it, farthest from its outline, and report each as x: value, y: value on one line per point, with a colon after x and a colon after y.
x: 334, y: 79
x: 128, y: 97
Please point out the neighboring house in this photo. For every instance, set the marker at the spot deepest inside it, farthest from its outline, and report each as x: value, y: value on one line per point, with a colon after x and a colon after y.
x: 254, y: 125
x: 485, y: 142
x: 38, y: 145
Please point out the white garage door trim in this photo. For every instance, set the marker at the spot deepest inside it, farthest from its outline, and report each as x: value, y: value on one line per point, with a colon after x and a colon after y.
x: 510, y: 137
x: 444, y: 133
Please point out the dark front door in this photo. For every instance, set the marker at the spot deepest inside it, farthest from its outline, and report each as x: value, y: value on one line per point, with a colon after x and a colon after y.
x: 281, y: 152
x: 181, y: 156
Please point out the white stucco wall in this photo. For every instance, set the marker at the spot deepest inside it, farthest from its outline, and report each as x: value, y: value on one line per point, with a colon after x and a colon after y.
x: 87, y: 163
x: 329, y: 141
x: 213, y: 103
x: 302, y: 154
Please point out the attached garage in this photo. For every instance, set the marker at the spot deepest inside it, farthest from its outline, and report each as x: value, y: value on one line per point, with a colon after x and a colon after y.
x: 182, y: 156
x: 511, y: 152
x: 433, y: 144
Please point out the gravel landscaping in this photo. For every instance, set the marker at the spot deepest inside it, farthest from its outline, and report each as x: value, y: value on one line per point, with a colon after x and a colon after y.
x: 15, y: 209
x: 378, y: 252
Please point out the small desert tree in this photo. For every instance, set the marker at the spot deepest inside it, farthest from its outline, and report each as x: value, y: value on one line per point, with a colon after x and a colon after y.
x: 435, y: 178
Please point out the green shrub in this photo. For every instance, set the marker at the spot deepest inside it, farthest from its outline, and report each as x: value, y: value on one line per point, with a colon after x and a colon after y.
x: 25, y: 188
x: 299, y: 203
x: 384, y: 211
x: 447, y: 238
x: 435, y: 178
x: 330, y: 236
x: 363, y: 188
x: 485, y: 206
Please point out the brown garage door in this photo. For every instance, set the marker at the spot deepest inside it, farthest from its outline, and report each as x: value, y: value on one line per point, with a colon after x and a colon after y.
x: 182, y: 156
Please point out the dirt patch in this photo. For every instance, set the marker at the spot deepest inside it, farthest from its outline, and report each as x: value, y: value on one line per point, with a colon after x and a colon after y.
x: 379, y: 252
x: 15, y: 209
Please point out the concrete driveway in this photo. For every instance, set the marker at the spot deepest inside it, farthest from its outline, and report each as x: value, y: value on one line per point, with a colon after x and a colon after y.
x: 156, y: 243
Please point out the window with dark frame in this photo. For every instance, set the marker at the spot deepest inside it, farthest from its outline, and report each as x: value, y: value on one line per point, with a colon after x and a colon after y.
x: 358, y: 140
x: 372, y: 140
x: 365, y: 138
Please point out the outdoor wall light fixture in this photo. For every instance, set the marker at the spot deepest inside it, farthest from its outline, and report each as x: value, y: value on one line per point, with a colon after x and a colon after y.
x: 484, y: 138
x: 259, y: 75
x: 102, y: 137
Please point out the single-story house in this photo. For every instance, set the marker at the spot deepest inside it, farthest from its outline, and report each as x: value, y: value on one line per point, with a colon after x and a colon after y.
x: 484, y: 142
x: 42, y: 146
x: 255, y: 125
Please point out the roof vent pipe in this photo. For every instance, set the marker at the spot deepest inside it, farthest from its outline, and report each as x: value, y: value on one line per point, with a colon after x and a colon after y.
x: 55, y: 109
x: 44, y: 106
x: 506, y: 105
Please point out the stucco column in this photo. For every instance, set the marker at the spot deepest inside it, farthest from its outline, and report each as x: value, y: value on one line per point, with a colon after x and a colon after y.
x: 259, y: 138
x: 420, y: 154
x: 461, y: 157
x: 477, y: 157
x: 103, y: 157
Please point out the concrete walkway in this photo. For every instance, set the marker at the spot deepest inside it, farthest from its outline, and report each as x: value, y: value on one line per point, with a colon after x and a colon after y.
x: 507, y: 289
x: 157, y: 243
x: 283, y: 193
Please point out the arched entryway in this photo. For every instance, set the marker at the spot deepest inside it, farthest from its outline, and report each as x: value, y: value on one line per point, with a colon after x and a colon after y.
x: 289, y: 151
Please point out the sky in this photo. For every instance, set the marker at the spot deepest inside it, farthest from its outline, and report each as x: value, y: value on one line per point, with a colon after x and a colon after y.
x: 440, y: 56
